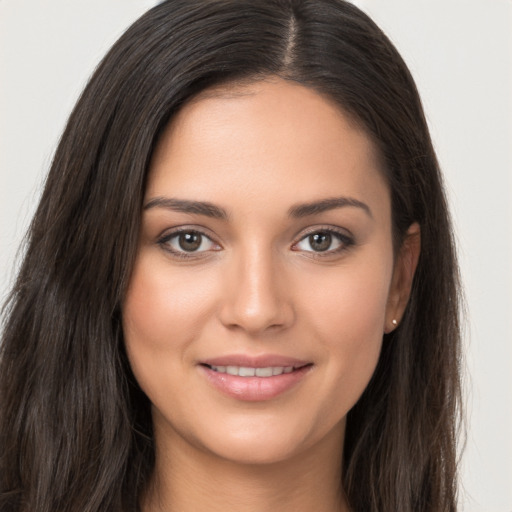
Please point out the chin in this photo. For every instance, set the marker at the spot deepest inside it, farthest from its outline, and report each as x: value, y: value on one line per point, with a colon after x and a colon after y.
x: 248, y: 451
x: 263, y: 441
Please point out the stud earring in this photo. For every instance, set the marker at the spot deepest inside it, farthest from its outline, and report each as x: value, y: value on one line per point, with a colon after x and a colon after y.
x: 394, y: 322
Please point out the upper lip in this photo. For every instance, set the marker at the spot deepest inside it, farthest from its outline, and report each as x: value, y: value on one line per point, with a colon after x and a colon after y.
x: 261, y: 361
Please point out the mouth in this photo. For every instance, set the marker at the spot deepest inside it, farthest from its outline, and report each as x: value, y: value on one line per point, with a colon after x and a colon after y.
x: 255, y: 379
x: 251, y: 371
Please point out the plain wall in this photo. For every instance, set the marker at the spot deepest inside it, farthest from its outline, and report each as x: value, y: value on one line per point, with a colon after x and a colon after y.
x: 460, y: 52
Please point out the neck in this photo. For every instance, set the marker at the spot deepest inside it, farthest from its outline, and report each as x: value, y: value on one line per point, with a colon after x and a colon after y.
x: 187, y: 478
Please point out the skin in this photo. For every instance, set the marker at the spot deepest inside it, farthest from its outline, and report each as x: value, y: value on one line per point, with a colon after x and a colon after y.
x: 257, y: 285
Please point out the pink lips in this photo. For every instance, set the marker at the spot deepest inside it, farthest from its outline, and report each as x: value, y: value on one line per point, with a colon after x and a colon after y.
x: 262, y: 361
x: 255, y: 388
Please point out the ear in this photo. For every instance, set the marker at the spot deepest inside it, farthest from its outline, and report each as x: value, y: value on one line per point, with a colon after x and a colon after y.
x: 403, y: 274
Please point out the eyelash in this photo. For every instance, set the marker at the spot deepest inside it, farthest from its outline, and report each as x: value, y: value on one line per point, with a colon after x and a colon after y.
x: 345, y: 240
x: 165, y: 239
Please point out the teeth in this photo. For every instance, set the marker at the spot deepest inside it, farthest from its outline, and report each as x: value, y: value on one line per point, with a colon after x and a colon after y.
x: 245, y: 371
x: 231, y: 370
x: 264, y: 372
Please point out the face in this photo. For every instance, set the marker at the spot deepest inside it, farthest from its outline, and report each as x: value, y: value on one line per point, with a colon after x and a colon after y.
x: 265, y: 275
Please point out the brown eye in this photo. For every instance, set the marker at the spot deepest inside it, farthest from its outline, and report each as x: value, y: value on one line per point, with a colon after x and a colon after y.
x: 320, y: 241
x: 326, y: 241
x: 190, y: 241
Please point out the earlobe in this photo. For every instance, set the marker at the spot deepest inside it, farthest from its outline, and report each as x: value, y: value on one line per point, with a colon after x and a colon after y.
x: 403, y: 275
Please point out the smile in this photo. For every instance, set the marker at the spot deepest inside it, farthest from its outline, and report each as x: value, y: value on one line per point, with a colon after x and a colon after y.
x: 254, y: 379
x: 246, y: 371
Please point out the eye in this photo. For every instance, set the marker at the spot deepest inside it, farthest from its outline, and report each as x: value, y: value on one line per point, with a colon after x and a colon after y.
x: 324, y: 241
x: 187, y: 242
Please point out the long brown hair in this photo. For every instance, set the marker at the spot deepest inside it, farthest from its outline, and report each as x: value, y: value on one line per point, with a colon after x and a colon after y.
x: 75, y: 429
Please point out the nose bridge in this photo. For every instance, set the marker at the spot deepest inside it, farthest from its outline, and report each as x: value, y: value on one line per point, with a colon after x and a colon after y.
x: 256, y: 299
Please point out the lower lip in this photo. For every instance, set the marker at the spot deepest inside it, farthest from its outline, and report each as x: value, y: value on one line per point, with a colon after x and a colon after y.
x: 254, y: 389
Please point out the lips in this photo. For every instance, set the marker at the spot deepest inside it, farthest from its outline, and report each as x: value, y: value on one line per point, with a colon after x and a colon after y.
x: 247, y: 371
x: 261, y: 361
x: 254, y: 378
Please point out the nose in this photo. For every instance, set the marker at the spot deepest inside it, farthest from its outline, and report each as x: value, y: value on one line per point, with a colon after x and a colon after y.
x: 256, y: 296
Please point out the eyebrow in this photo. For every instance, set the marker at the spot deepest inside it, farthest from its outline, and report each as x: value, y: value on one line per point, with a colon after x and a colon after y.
x: 186, y: 206
x: 297, y: 211
x: 304, y: 210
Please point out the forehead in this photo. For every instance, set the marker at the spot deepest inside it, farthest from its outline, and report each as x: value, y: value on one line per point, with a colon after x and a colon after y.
x: 271, y: 135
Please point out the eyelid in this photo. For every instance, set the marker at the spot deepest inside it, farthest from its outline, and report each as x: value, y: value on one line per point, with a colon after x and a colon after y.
x: 166, y: 236
x: 346, y: 238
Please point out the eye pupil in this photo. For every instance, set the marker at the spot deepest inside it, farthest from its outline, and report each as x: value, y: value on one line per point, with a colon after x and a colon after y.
x: 189, y: 241
x: 320, y: 241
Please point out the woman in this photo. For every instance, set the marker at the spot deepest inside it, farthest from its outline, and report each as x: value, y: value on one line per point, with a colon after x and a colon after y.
x: 240, y: 289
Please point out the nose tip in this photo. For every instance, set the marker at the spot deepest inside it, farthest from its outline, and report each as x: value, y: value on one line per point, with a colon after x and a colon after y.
x: 256, y: 315
x: 256, y: 299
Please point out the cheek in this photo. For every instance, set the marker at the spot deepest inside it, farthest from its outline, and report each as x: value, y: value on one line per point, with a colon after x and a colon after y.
x: 347, y: 316
x: 163, y: 313
x: 351, y: 300
x: 160, y: 301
